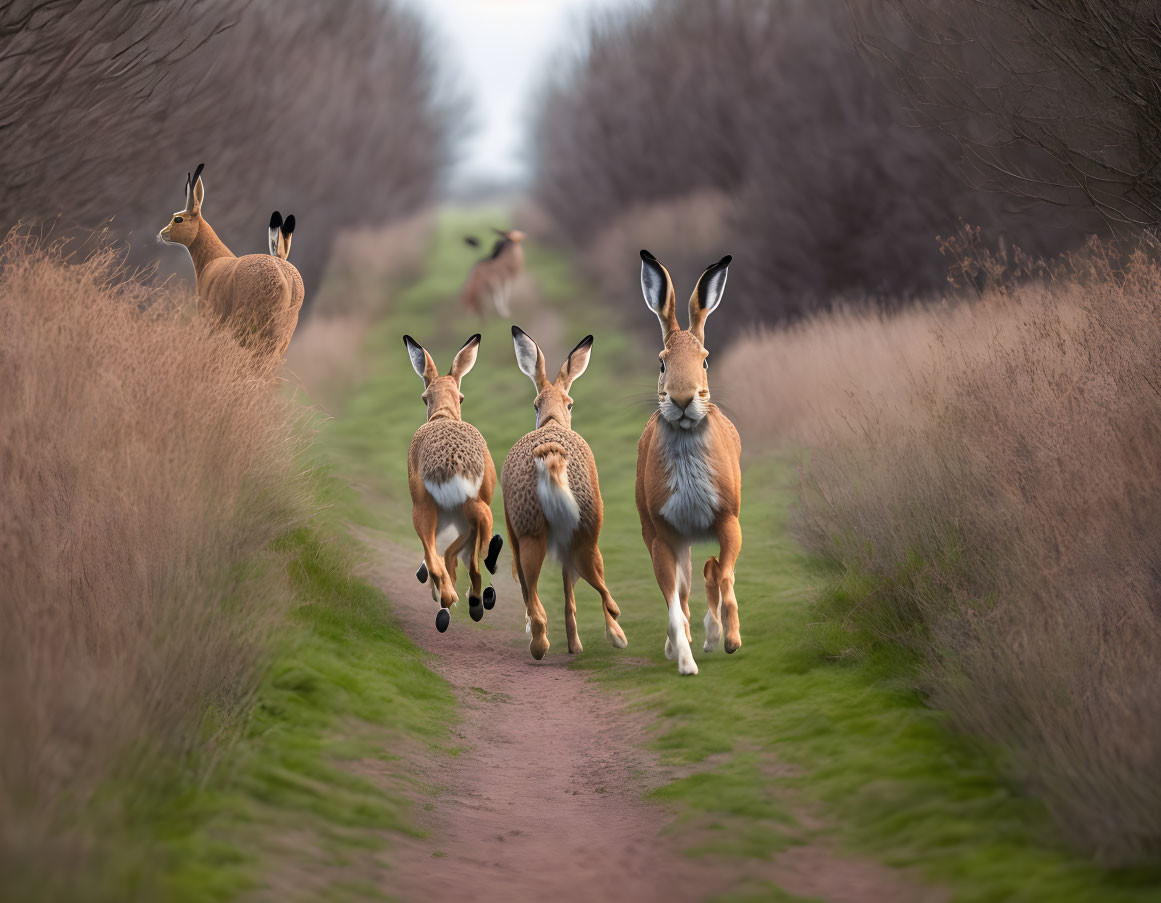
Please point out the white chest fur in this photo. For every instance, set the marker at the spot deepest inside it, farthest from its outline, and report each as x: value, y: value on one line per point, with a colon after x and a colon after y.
x: 692, y: 496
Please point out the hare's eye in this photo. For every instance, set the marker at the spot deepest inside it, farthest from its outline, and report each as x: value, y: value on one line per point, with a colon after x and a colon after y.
x: 663, y: 366
x: 705, y: 363
x: 177, y: 219
x: 570, y: 405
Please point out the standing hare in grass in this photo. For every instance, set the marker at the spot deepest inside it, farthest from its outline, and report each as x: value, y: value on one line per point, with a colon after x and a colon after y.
x: 552, y: 500
x: 258, y: 295
x: 491, y: 279
x: 451, y: 477
x: 689, y: 473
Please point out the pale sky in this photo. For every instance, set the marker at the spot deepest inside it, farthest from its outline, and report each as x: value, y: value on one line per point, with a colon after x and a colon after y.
x: 497, y: 50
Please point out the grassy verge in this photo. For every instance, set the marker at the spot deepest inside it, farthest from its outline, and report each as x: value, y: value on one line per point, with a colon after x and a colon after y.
x: 344, y: 689
x: 785, y: 726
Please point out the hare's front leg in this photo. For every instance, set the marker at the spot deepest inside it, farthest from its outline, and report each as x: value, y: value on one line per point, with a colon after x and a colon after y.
x: 665, y: 569
x: 479, y: 518
x: 730, y: 539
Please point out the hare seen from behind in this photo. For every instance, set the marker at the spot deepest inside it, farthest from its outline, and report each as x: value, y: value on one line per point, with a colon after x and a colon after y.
x: 552, y: 499
x: 451, y: 478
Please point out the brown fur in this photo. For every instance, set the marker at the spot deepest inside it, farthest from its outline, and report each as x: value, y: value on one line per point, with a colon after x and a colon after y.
x: 443, y: 448
x: 258, y: 296
x: 684, y: 381
x: 568, y: 461
x: 491, y: 279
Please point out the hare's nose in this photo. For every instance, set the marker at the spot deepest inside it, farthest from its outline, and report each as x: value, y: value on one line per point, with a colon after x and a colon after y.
x: 682, y: 401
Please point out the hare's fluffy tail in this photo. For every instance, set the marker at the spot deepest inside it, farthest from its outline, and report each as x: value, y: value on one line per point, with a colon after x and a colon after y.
x: 556, y: 498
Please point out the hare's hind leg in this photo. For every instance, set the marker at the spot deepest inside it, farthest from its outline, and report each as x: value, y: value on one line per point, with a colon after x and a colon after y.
x: 425, y: 518
x: 713, y: 597
x: 591, y: 565
x: 570, y: 577
x: 730, y: 537
x: 532, y: 550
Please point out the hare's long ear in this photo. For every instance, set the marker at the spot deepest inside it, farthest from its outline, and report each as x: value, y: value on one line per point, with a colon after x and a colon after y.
x: 657, y: 288
x: 707, y: 295
x: 575, y: 364
x: 530, y: 358
x: 466, y: 357
x: 199, y: 190
x: 421, y: 361
x: 273, y: 230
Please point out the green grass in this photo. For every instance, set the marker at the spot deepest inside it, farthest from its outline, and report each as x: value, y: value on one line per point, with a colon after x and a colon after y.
x: 342, y: 686
x: 788, y: 724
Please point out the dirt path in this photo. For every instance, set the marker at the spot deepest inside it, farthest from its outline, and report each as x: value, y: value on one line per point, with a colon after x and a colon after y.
x: 544, y: 803
x: 545, y: 800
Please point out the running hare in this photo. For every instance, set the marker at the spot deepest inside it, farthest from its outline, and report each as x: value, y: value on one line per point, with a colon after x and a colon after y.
x: 689, y: 474
x: 552, y: 501
x: 452, y: 478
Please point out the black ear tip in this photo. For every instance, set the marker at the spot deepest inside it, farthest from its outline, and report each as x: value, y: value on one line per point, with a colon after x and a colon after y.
x: 517, y: 331
x: 275, y: 220
x: 198, y: 172
x: 725, y: 261
x: 646, y: 256
x: 587, y: 340
x: 288, y: 226
x: 475, y: 338
x: 409, y: 341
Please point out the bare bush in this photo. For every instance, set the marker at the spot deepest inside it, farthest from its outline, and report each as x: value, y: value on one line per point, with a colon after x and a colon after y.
x: 108, y: 103
x: 989, y: 472
x: 687, y: 232
x: 836, y: 195
x: 1057, y: 102
x: 144, y: 460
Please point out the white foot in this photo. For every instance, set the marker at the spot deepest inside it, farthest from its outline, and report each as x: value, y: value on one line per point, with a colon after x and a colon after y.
x: 713, y: 632
x: 677, y: 643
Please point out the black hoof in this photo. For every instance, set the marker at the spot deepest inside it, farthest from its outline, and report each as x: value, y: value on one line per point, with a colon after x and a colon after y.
x: 442, y: 619
x: 494, y: 548
x: 421, y: 574
x: 489, y: 597
x: 475, y: 609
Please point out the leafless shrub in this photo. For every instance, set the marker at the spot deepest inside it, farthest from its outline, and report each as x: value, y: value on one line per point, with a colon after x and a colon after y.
x: 837, y: 196
x: 108, y: 103
x: 1057, y: 102
x: 685, y: 232
x: 990, y: 472
x: 143, y: 460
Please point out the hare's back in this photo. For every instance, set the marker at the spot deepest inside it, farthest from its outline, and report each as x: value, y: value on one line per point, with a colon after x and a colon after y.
x: 518, y: 479
x: 445, y: 449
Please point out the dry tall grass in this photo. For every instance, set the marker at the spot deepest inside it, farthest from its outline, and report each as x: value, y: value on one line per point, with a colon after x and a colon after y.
x: 143, y: 460
x: 991, y: 473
